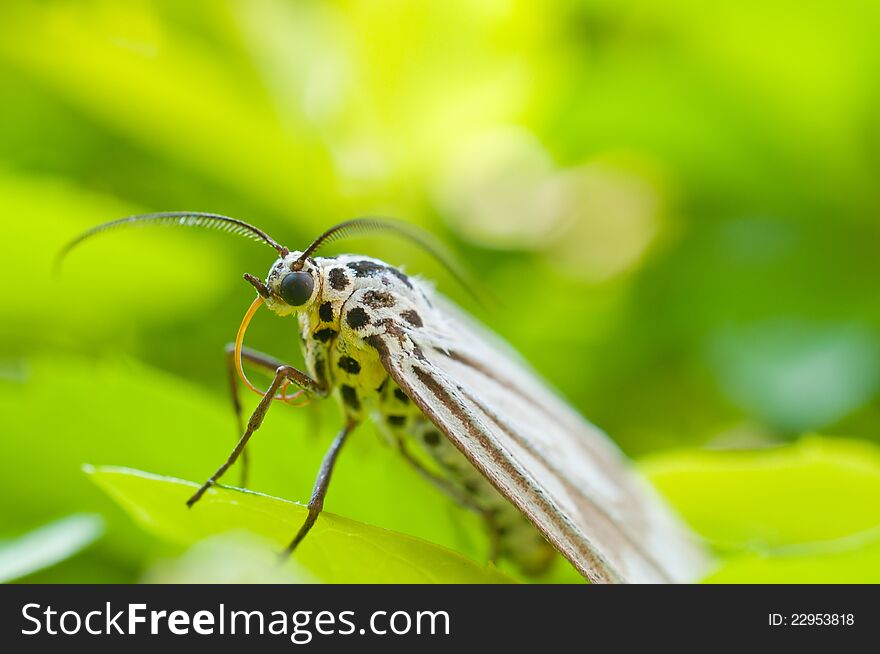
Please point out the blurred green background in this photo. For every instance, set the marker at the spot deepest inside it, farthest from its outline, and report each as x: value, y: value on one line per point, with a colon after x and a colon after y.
x: 675, y: 203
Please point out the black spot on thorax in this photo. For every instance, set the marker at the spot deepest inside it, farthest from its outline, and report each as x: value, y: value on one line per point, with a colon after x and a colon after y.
x: 372, y: 269
x: 400, y: 395
x: 366, y: 268
x: 412, y: 317
x: 325, y: 312
x: 379, y: 299
x: 357, y: 318
x: 338, y: 279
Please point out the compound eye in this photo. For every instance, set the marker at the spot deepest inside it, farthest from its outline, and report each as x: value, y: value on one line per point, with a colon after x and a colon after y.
x: 296, y: 288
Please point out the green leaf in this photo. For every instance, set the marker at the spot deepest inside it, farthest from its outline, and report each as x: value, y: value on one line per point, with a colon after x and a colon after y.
x: 120, y: 410
x: 233, y: 558
x: 48, y: 545
x: 815, y: 490
x: 802, y: 513
x: 851, y: 560
x: 337, y: 550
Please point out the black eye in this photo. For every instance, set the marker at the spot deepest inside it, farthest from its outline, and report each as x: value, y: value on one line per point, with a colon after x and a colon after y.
x: 296, y: 288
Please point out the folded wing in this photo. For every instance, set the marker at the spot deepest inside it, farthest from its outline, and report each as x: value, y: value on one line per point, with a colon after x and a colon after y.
x: 562, y: 472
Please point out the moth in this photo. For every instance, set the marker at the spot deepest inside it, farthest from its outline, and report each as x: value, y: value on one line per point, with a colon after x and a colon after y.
x: 456, y: 401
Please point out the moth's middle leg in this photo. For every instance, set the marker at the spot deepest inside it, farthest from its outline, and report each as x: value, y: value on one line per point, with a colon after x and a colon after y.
x: 322, y: 483
x: 493, y: 529
x: 282, y: 375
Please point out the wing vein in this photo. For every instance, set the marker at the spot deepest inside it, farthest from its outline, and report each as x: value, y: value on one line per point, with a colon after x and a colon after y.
x: 527, y: 445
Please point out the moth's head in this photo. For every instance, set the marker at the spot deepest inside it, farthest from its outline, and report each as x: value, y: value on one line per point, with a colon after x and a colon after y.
x: 293, y: 284
x: 294, y: 281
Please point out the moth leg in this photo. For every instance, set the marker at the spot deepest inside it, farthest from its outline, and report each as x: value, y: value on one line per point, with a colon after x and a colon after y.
x: 322, y: 483
x: 282, y: 374
x: 260, y: 360
x: 459, y: 497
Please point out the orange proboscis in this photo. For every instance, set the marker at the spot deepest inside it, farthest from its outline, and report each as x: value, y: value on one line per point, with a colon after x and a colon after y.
x: 239, y: 339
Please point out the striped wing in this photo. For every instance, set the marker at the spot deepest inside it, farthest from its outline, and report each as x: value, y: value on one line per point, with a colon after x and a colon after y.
x: 562, y: 472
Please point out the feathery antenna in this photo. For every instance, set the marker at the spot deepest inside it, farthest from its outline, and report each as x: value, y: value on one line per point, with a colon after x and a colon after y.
x: 239, y: 227
x: 418, y: 236
x: 179, y: 219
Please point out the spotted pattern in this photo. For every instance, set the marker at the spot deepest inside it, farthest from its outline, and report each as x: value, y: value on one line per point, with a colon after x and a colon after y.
x: 357, y: 318
x: 350, y: 397
x: 367, y: 268
x: 338, y: 279
x: 349, y: 365
x: 324, y: 335
x: 412, y: 317
x: 377, y: 308
x: 379, y: 299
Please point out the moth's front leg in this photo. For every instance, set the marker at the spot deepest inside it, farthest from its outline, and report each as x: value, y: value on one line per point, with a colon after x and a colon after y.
x: 260, y: 360
x: 282, y: 374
